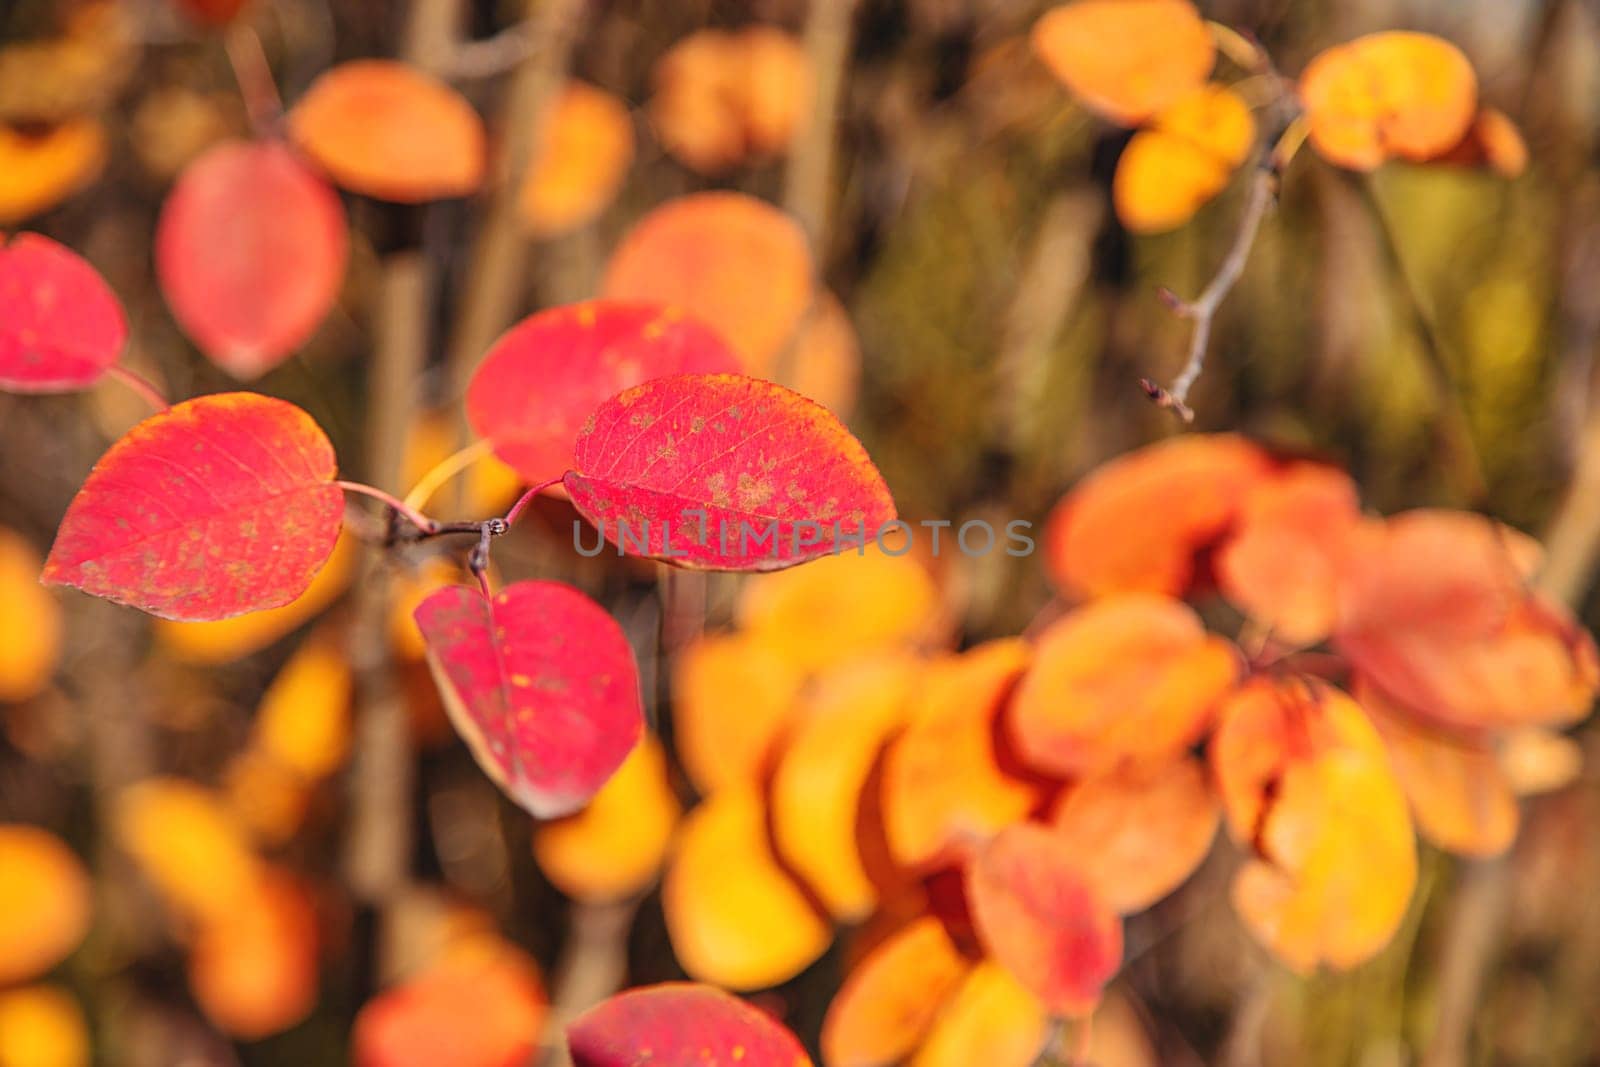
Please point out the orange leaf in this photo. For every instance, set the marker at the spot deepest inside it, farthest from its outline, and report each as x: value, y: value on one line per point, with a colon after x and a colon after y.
x: 215, y: 507
x: 1266, y: 725
x: 838, y: 607
x: 722, y: 97
x: 387, y: 130
x: 1126, y: 59
x: 188, y: 845
x: 1434, y: 611
x: 42, y: 1026
x: 1042, y: 919
x: 1138, y: 834
x: 254, y: 966
x: 581, y: 161
x: 725, y: 472
x: 736, y: 263
x: 1393, y: 95
x: 1182, y: 159
x: 1129, y: 678
x: 1281, y: 566
x: 250, y: 253
x: 991, y: 1020
x: 1457, y: 791
x: 1138, y: 522
x: 40, y: 170
x: 1536, y: 761
x: 613, y: 849
x: 944, y: 788
x: 483, y: 1008
x: 30, y: 622
x: 303, y: 721
x: 826, y: 360
x: 817, y: 790
x: 44, y: 902
x: 1492, y: 141
x: 735, y: 917
x: 1339, y: 863
x: 732, y: 698
x: 893, y: 997
x: 679, y: 1024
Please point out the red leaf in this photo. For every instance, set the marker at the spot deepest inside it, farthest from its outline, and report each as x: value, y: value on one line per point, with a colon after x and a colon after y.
x: 215, y: 507
x: 545, y: 375
x: 680, y: 1024
x: 725, y: 472
x: 250, y: 252
x: 1041, y: 919
x: 60, y: 324
x: 541, y: 684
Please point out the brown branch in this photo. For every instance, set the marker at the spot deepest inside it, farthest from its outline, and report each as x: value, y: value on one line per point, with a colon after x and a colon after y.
x: 1202, y: 310
x: 593, y: 965
x: 498, y: 258
x: 808, y: 179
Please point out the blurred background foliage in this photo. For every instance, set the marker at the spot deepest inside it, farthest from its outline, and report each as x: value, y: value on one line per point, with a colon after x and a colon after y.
x: 1432, y: 329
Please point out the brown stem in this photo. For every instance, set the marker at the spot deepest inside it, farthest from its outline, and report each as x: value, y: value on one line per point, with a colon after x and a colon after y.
x: 378, y: 848
x: 593, y: 965
x: 250, y: 68
x: 809, y: 177
x: 1202, y: 310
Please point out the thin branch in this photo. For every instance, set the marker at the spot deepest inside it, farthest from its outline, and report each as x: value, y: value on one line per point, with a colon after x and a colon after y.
x: 525, y: 499
x: 412, y: 515
x: 1202, y: 310
x: 146, y: 389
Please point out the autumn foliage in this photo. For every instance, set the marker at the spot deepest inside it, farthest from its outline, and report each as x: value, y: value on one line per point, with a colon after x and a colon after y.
x: 728, y: 722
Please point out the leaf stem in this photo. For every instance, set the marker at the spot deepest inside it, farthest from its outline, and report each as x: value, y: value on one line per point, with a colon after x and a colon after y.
x: 525, y: 499
x: 146, y: 389
x: 412, y: 515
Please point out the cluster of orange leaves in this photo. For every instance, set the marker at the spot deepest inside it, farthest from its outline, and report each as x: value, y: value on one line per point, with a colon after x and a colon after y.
x: 1147, y: 65
x: 991, y: 815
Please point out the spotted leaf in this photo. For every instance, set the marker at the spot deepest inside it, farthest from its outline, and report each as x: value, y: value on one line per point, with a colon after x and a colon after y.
x: 217, y: 506
x: 533, y: 391
x: 680, y: 1024
x: 60, y: 324
x: 725, y: 472
x: 542, y: 685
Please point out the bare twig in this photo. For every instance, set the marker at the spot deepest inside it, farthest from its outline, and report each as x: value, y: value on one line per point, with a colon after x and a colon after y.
x: 1202, y: 310
x: 593, y: 965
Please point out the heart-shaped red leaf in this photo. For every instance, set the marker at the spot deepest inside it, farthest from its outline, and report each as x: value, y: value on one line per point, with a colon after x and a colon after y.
x: 541, y: 683
x: 1041, y: 919
x: 215, y: 507
x: 60, y: 324
x: 725, y: 472
x: 250, y: 252
x: 680, y: 1024
x: 544, y: 376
